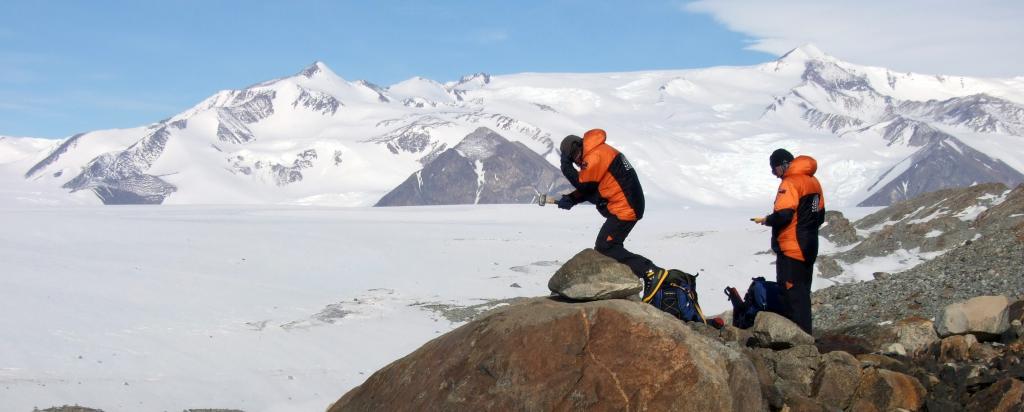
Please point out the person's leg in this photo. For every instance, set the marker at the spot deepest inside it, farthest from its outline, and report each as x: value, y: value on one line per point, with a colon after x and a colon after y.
x: 794, y: 277
x: 802, y: 295
x: 609, y: 243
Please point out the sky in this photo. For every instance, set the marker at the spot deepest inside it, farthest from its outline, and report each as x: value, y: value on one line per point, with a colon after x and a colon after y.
x: 74, y: 66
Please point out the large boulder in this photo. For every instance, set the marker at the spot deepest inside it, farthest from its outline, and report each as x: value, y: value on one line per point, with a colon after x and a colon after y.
x: 1003, y: 396
x: 836, y: 379
x: 838, y: 229
x: 985, y: 316
x: 592, y: 276
x: 915, y: 333
x: 795, y: 367
x: 885, y: 390
x: 543, y: 354
x: 772, y: 330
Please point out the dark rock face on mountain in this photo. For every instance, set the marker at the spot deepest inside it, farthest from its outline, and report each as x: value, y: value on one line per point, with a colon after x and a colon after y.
x: 942, y: 163
x: 483, y: 168
x: 119, y: 178
x: 549, y: 355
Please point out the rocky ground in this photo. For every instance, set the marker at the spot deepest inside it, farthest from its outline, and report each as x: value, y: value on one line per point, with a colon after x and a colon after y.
x: 602, y: 351
x: 990, y: 264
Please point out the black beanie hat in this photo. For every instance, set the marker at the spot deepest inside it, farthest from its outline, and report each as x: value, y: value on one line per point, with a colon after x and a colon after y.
x: 570, y: 144
x: 779, y: 157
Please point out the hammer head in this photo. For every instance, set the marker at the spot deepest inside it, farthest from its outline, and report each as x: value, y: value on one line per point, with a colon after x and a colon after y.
x: 541, y: 199
x: 545, y: 199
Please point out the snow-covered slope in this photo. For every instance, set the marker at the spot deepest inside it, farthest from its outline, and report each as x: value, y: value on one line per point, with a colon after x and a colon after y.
x: 696, y: 136
x: 280, y: 309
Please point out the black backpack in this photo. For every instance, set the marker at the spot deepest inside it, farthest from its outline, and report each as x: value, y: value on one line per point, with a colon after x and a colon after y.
x: 675, y: 292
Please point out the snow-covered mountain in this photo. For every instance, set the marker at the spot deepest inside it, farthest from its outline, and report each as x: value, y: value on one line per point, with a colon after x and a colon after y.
x: 696, y: 136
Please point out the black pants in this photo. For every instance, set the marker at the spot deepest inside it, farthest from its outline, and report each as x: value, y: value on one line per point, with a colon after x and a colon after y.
x: 794, y: 277
x: 609, y: 242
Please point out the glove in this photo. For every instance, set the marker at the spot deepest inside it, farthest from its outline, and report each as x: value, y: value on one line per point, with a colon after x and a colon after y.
x: 566, y: 202
x: 758, y: 220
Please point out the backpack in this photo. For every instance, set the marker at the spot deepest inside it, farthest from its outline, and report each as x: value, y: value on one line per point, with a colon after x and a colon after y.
x: 762, y: 295
x: 675, y: 292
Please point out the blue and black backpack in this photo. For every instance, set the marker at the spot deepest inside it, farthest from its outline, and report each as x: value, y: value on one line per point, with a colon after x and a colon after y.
x: 762, y: 295
x: 675, y: 292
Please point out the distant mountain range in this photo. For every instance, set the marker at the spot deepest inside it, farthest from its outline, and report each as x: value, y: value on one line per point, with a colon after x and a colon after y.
x: 697, y: 136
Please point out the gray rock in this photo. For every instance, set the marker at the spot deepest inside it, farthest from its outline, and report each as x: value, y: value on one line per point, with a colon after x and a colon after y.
x: 772, y: 330
x: 837, y: 229
x: 592, y: 276
x: 836, y: 379
x: 983, y: 315
x: 975, y: 266
x: 828, y: 267
x: 796, y: 366
x: 915, y: 334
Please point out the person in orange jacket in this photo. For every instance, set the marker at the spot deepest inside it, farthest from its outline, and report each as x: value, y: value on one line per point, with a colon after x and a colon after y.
x: 606, y: 179
x: 798, y: 213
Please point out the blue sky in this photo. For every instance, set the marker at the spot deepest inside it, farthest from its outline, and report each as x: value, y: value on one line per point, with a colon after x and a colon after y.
x: 73, y: 66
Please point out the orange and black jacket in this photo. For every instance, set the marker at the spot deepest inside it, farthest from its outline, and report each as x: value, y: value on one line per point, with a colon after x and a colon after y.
x: 799, y: 211
x: 607, y: 179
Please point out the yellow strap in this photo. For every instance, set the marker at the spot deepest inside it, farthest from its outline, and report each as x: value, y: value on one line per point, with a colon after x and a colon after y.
x: 699, y: 311
x: 664, y: 274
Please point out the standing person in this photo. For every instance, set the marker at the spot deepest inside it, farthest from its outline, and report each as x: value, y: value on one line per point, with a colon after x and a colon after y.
x: 799, y: 212
x: 606, y: 179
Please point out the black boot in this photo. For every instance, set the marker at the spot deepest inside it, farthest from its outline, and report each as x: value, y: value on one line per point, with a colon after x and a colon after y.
x: 653, y: 280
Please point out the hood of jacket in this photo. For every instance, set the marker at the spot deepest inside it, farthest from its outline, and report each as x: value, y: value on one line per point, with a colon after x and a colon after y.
x: 592, y: 139
x: 801, y: 165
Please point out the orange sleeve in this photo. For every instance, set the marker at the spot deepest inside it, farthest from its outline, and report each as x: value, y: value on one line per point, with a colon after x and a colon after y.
x: 787, y: 198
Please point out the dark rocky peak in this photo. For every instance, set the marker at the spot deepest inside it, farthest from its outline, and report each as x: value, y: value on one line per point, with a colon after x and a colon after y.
x: 910, y: 132
x: 941, y: 164
x: 480, y: 144
x: 473, y: 80
x: 317, y: 67
x: 979, y: 112
x: 484, y: 168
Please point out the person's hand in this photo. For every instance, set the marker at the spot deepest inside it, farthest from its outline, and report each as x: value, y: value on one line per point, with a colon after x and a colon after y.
x: 759, y: 220
x: 565, y: 202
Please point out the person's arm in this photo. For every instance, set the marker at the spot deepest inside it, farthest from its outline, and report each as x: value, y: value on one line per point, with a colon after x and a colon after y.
x: 570, y: 173
x: 786, y: 202
x: 586, y: 187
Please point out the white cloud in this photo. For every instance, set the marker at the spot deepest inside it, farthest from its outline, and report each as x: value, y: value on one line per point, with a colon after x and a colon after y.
x: 976, y: 38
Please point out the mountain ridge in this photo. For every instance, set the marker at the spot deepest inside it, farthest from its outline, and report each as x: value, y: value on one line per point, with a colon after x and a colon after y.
x: 353, y: 141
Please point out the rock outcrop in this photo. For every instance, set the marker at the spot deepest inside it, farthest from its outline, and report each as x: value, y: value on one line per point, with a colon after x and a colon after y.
x: 549, y: 355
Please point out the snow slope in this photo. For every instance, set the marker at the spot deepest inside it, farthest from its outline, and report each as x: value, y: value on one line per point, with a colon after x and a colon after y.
x: 286, y: 308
